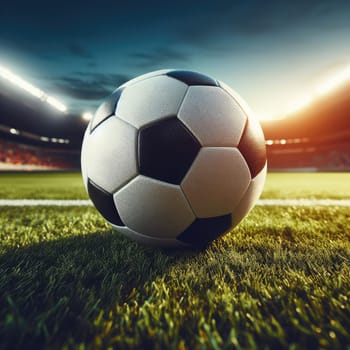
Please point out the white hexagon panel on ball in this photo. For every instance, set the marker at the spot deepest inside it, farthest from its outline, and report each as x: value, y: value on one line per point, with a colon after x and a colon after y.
x: 213, y: 116
x: 216, y: 181
x: 109, y: 154
x: 154, y: 208
x: 151, y: 99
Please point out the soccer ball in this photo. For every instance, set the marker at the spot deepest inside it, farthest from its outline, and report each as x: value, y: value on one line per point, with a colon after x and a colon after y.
x: 173, y: 158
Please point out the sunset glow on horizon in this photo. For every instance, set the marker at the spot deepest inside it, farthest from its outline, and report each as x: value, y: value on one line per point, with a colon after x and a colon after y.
x: 327, y: 86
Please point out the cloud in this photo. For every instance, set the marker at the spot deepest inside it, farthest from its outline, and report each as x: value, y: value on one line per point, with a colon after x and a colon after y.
x: 78, y: 50
x: 89, y: 86
x: 92, y: 64
x: 232, y: 23
x: 157, y: 57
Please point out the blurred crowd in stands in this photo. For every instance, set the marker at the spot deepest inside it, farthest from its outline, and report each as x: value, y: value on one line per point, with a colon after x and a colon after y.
x: 311, y: 155
x: 319, y: 157
x: 19, y: 154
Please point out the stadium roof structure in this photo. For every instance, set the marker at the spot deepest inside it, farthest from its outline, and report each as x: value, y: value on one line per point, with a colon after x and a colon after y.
x: 34, y: 119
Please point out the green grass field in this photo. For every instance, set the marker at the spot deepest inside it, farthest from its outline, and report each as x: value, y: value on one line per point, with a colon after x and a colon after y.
x: 280, y: 280
x: 278, y: 185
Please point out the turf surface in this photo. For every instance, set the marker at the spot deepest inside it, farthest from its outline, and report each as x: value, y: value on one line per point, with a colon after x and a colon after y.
x: 278, y: 185
x: 281, y: 279
x: 42, y: 185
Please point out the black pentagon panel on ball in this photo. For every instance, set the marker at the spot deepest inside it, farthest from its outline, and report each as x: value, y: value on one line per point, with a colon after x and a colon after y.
x: 252, y: 147
x: 104, y: 203
x: 106, y: 110
x: 166, y: 150
x: 203, y: 231
x: 192, y: 78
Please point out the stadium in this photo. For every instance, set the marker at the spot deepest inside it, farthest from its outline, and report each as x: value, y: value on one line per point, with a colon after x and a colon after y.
x: 313, y: 139
x: 278, y: 280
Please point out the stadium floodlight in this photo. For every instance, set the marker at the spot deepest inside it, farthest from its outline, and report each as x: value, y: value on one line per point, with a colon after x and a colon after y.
x: 55, y: 103
x: 14, y: 131
x: 33, y: 90
x: 14, y: 79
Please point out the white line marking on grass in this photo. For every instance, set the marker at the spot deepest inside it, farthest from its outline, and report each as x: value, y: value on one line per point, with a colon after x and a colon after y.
x: 261, y: 202
x: 44, y: 202
x: 304, y: 202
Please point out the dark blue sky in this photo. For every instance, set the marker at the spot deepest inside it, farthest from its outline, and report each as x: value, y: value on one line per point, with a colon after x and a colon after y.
x: 271, y: 52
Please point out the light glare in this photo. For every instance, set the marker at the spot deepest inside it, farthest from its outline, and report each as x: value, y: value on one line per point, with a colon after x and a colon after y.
x: 14, y: 131
x: 55, y: 103
x: 87, y: 116
x: 14, y: 79
x: 300, y: 104
x: 334, y: 81
x: 24, y: 85
x: 262, y: 116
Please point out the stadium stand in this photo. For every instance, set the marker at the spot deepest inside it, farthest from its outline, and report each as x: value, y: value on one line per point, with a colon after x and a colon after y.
x: 17, y: 156
x: 309, y: 156
x: 316, y: 138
